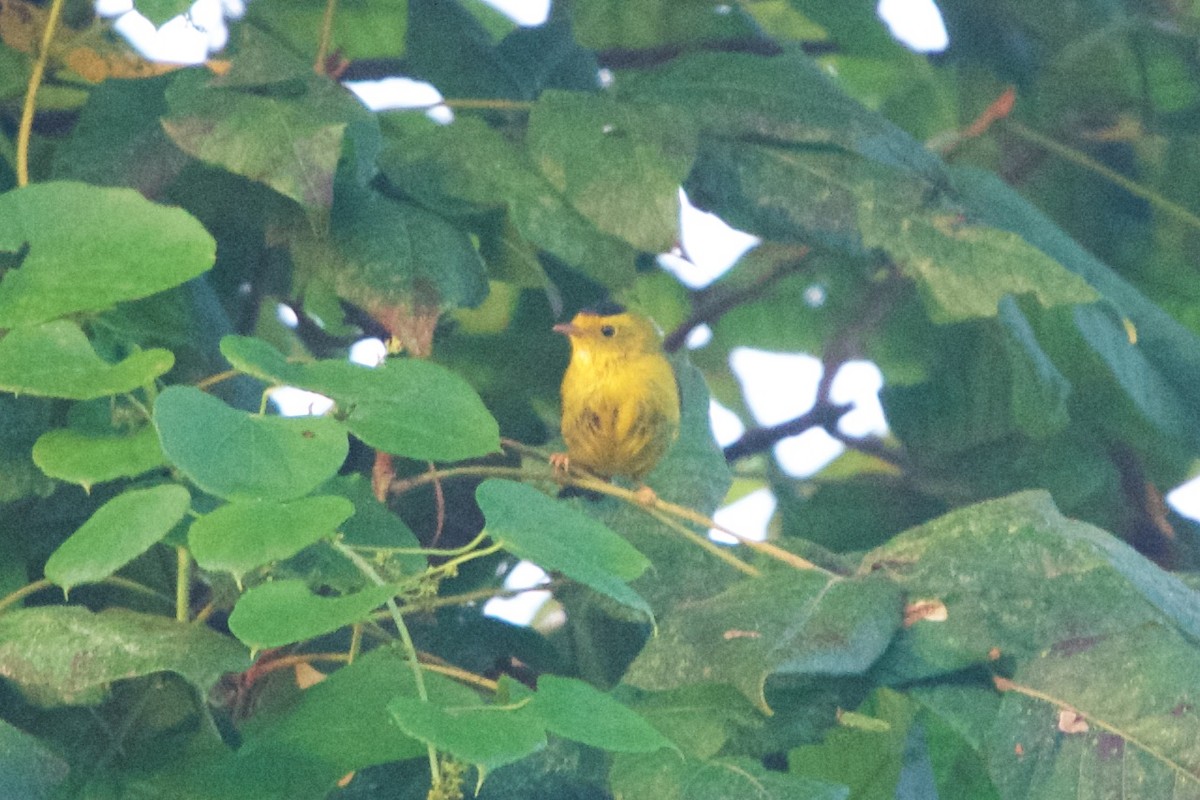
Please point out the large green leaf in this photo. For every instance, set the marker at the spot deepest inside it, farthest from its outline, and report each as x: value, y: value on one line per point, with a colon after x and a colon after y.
x: 120, y: 531
x: 665, y: 776
x: 241, y: 456
x: 342, y: 723
x: 963, y: 269
x: 575, y: 710
x: 241, y: 536
x: 1129, y: 730
x: 556, y: 537
x: 84, y: 248
x: 1015, y: 576
x: 631, y: 25
x: 620, y: 165
x: 1158, y: 370
x: 68, y: 655
x: 88, y: 458
x: 783, y: 99
x: 404, y: 406
x: 469, y: 164
x: 282, y: 612
x: 787, y: 623
x: 289, y: 142
x: 361, y: 29
x: 383, y: 253
x: 55, y: 359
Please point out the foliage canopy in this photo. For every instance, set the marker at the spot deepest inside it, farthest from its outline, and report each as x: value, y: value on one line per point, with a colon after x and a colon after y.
x: 992, y: 602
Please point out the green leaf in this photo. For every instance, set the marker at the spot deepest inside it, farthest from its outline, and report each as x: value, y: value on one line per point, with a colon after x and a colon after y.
x: 699, y: 719
x: 282, y: 612
x: 159, y: 11
x: 385, y: 253
x: 558, y: 538
x: 575, y: 710
x: 1017, y: 576
x: 1132, y: 722
x: 343, y: 721
x: 963, y: 269
x: 363, y: 29
x: 467, y: 164
x: 405, y: 406
x: 88, y: 458
x: 1157, y: 372
x: 869, y: 755
x: 489, y: 736
x: 241, y: 536
x: 781, y: 99
x: 241, y: 456
x: 120, y: 531
x: 289, y: 142
x: 650, y: 24
x: 56, y: 359
x: 30, y: 769
x: 791, y: 623
x: 620, y: 165
x: 68, y: 655
x: 664, y: 776
x: 84, y: 248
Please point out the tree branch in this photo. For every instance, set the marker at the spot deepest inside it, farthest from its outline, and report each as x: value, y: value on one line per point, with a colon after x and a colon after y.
x: 714, y: 304
x: 822, y: 415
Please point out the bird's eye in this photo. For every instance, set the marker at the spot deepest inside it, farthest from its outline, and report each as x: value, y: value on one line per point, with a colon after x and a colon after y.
x: 607, y: 330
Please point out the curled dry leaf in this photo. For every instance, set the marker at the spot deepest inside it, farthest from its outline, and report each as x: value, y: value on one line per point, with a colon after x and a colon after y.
x: 1071, y: 721
x: 930, y: 610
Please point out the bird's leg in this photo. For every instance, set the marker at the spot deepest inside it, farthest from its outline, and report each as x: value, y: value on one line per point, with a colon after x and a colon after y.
x: 561, y: 462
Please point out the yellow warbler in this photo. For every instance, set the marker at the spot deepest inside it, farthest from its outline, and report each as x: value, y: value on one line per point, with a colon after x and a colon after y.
x: 619, y: 396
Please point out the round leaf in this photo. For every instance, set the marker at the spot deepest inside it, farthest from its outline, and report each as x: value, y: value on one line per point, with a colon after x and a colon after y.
x: 57, y: 360
x: 120, y: 531
x: 90, y: 458
x: 238, y: 537
x: 283, y: 612
x: 241, y: 456
x: 85, y: 248
x: 558, y: 538
x: 576, y: 710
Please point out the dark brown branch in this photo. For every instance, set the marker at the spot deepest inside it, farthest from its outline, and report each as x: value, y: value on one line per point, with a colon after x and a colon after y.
x: 719, y: 301
x: 757, y: 440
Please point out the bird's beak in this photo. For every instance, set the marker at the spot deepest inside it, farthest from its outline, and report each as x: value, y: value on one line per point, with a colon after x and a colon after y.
x: 566, y: 329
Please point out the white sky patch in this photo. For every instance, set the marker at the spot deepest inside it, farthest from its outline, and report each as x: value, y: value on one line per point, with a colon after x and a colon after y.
x: 726, y: 426
x: 859, y: 382
x: 1185, y: 498
x: 748, y: 516
x: 522, y: 608
x: 711, y: 245
x: 917, y: 24
x: 368, y: 352
x: 394, y: 93
x: 293, y: 402
x: 778, y: 386
x: 523, y: 12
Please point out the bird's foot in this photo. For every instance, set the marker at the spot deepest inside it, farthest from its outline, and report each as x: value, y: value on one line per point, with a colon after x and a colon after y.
x: 561, y: 462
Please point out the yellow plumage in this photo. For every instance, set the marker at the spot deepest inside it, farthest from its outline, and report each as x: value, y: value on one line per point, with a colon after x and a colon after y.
x: 619, y: 395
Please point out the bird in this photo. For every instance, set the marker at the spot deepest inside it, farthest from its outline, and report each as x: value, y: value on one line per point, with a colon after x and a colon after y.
x: 620, y: 399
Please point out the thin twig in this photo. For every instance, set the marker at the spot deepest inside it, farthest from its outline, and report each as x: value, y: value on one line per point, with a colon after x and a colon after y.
x: 719, y: 301
x: 1087, y: 162
x: 25, y: 129
x: 326, y: 36
x: 406, y: 642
